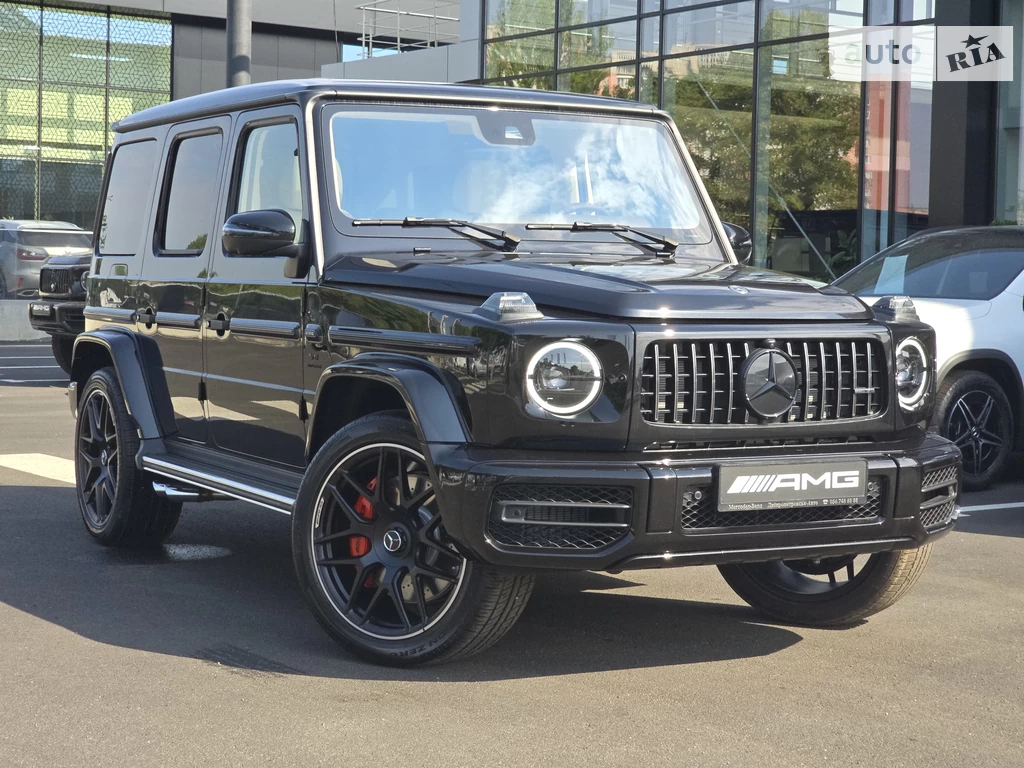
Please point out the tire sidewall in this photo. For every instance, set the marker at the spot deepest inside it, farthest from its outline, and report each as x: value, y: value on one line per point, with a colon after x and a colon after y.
x: 955, y: 388
x: 426, y: 644
x: 106, y: 382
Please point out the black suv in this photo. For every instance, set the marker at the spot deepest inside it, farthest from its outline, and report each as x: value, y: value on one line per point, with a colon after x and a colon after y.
x: 59, y: 309
x: 460, y: 334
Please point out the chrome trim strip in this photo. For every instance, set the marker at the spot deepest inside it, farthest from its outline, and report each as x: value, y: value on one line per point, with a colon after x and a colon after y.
x: 110, y: 314
x: 404, y: 341
x: 210, y: 482
x: 313, y: 189
x: 250, y: 327
x: 768, y: 552
x: 177, y: 320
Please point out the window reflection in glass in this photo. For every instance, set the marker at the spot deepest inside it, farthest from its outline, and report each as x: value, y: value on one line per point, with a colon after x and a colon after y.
x: 590, y: 11
x: 716, y: 27
x: 516, y: 17
x: 617, y: 82
x: 518, y: 57
x: 270, y: 172
x: 509, y: 168
x: 796, y: 18
x: 808, y: 165
x: 597, y: 45
x: 711, y: 99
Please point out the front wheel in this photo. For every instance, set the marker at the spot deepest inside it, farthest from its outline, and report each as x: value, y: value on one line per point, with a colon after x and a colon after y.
x: 973, y: 411
x: 831, y: 591
x: 375, y: 563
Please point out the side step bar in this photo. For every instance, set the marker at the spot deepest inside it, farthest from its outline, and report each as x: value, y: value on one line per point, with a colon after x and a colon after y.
x: 278, y: 499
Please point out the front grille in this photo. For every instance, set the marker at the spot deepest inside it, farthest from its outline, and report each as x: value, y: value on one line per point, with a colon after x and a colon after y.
x: 700, y: 511
x: 577, y: 517
x: 55, y: 282
x: 699, y: 382
x: 938, y: 496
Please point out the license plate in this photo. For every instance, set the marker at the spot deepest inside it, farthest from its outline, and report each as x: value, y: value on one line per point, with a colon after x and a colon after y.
x: 797, y: 484
x: 41, y: 310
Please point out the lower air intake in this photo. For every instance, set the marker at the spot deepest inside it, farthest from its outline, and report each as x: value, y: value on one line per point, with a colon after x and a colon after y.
x: 565, y: 517
x: 938, y: 496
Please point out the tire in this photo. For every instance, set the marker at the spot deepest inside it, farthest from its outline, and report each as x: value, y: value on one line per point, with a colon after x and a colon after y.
x: 968, y: 400
x: 791, y: 591
x: 116, y: 499
x: 63, y: 348
x: 422, y: 602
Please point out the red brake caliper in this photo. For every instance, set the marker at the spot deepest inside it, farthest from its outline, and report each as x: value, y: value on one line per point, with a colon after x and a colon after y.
x: 360, y: 545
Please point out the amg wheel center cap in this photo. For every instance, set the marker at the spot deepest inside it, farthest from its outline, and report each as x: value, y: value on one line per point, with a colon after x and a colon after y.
x: 394, y: 540
x: 769, y: 383
x: 104, y: 456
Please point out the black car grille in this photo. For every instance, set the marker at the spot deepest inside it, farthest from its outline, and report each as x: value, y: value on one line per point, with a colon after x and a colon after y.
x: 699, y: 511
x: 699, y: 382
x: 938, y: 496
x: 559, y: 516
x: 55, y: 282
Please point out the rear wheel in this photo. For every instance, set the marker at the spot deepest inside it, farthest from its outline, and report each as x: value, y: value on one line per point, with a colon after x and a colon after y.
x: 375, y: 562
x: 63, y: 349
x: 972, y: 411
x: 116, y: 499
x: 831, y: 591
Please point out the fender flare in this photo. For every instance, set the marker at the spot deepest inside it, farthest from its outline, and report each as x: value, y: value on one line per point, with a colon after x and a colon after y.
x: 140, y: 372
x: 428, y: 396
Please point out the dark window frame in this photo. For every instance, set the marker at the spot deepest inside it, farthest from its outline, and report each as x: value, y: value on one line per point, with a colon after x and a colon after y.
x: 104, y: 189
x: 170, y: 162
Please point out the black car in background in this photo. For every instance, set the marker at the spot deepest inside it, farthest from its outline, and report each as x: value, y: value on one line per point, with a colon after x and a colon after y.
x: 60, y: 303
x: 463, y: 334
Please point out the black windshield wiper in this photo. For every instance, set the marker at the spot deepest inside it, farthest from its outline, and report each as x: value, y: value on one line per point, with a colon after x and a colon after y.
x: 663, y: 246
x: 498, y: 239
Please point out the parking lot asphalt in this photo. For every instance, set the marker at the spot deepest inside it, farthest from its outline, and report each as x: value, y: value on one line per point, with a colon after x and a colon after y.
x: 204, y: 653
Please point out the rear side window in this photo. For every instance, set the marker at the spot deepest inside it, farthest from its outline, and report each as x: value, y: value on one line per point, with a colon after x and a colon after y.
x: 129, y: 190
x: 192, y: 194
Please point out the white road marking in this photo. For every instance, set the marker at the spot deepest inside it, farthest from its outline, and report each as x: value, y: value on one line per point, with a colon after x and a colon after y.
x: 990, y: 507
x: 58, y: 380
x: 42, y: 465
x: 27, y: 357
x: 25, y: 367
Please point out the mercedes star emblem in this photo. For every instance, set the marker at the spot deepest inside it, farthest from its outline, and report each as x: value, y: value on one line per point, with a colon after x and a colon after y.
x: 769, y: 383
x: 393, y: 540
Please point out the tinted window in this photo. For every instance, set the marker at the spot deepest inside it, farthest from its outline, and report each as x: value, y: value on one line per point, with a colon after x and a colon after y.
x: 270, y: 172
x: 129, y: 190
x: 54, y: 239
x: 931, y: 273
x: 193, y: 193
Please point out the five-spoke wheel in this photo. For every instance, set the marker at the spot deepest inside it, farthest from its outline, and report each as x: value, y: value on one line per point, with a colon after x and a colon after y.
x: 973, y: 411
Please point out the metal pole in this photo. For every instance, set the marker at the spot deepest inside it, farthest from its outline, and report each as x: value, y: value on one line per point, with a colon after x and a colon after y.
x: 239, y: 42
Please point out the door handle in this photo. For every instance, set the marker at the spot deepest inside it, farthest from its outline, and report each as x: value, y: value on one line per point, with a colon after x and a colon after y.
x: 146, y: 317
x: 218, y: 324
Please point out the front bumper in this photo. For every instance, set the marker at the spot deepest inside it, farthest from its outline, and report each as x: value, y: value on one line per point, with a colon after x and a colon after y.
x: 57, y: 316
x: 672, y: 518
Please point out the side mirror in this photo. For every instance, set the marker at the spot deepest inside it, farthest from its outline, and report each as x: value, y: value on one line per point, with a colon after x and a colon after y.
x: 740, y: 241
x: 259, y: 233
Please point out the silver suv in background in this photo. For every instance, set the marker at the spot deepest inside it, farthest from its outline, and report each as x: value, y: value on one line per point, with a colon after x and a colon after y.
x: 24, y: 247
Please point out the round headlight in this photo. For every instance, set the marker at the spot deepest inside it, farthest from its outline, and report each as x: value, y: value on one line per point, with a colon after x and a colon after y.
x: 564, y: 378
x: 912, y: 367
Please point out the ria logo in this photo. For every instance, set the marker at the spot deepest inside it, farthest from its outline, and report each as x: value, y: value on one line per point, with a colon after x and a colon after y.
x: 797, y: 481
x: 974, y: 53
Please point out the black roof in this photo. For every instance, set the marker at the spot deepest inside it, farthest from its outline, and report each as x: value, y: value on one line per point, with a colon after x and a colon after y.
x: 300, y: 91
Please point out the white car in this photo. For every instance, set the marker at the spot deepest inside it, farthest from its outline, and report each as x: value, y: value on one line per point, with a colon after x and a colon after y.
x: 968, y: 285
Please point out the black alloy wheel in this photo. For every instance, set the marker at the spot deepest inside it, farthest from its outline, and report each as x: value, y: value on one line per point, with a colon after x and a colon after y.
x: 973, y: 411
x: 828, y: 591
x: 974, y: 425
x: 380, y: 551
x: 98, y: 454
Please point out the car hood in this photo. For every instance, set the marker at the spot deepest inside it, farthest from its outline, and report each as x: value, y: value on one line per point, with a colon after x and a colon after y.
x: 683, y: 289
x: 950, y: 312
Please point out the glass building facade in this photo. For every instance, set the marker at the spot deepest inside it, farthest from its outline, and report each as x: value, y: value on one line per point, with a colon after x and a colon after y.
x: 820, y: 168
x: 67, y: 74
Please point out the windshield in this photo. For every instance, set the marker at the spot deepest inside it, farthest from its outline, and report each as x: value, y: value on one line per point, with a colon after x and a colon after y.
x: 932, y: 270
x: 56, y: 239
x: 508, y: 168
